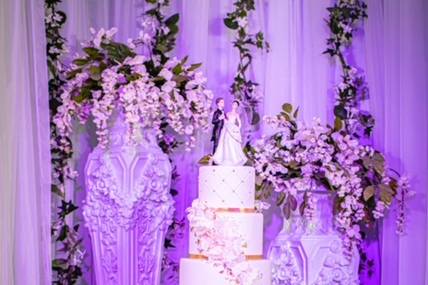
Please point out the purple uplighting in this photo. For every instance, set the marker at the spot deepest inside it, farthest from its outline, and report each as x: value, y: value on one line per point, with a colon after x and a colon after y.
x: 215, y: 142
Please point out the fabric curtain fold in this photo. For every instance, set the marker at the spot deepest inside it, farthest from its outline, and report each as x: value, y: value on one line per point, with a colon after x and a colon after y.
x: 25, y: 145
x: 392, y: 50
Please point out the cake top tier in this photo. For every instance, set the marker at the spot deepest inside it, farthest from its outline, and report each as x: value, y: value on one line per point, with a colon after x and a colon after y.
x: 227, y: 186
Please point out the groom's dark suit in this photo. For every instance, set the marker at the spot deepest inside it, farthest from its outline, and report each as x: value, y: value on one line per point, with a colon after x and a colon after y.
x: 218, y: 126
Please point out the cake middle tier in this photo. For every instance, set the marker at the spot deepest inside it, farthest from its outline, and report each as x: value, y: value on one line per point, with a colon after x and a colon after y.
x: 227, y: 186
x: 249, y: 226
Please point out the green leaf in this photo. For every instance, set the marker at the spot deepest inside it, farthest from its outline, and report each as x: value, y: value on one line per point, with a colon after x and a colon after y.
x: 71, y: 74
x: 173, y: 30
x: 286, y: 210
x: 59, y: 264
x: 287, y: 107
x: 56, y: 190
x: 194, y: 66
x: 184, y: 60
x: 369, y: 191
x: 93, y: 53
x: 379, y: 163
x: 63, y: 233
x: 168, y: 243
x: 340, y: 112
x: 386, y: 194
x: 177, y: 69
x: 173, y: 192
x: 292, y: 201
x: 280, y: 199
x: 95, y: 72
x: 293, y: 164
x: 255, y: 118
x: 81, y: 61
x: 173, y: 20
x: 205, y: 160
x: 286, y: 116
x: 179, y: 79
x: 338, y: 124
x: 231, y: 24
x: 85, y: 93
x: 296, y: 113
x: 302, y: 208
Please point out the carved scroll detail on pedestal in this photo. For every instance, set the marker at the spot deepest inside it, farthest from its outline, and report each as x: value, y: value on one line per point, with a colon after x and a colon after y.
x: 311, y: 252
x: 128, y: 209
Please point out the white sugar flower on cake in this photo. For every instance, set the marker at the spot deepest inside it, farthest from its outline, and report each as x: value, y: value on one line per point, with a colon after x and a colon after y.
x: 221, y: 244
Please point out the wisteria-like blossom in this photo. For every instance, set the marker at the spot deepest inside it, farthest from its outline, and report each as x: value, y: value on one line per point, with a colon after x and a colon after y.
x: 301, y: 158
x: 403, y: 194
x: 145, y: 101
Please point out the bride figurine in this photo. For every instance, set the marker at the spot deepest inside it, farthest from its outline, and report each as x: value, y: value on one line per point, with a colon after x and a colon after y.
x: 229, y: 149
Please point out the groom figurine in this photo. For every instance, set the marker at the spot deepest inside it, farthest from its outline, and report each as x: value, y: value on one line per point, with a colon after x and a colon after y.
x: 218, y: 122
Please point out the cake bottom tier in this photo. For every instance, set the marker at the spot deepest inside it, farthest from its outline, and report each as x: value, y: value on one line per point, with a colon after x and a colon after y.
x: 200, y: 272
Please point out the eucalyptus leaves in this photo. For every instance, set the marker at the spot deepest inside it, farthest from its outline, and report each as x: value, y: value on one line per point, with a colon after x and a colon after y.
x: 244, y: 89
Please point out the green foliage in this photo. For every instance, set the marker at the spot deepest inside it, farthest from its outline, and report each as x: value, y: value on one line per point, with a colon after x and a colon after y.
x: 342, y: 22
x: 243, y: 88
x: 205, y: 160
x: 67, y: 267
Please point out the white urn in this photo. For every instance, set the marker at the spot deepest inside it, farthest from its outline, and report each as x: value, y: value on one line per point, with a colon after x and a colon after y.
x: 128, y: 207
x: 310, y: 252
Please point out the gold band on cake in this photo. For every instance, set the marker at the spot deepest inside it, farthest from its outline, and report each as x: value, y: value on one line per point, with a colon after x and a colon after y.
x: 247, y: 257
x: 236, y: 210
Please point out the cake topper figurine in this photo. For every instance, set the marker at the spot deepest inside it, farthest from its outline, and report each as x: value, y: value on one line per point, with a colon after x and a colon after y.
x: 218, y: 122
x: 228, y: 150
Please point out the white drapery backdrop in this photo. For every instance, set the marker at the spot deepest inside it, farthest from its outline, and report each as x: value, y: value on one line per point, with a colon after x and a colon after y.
x: 24, y: 145
x: 396, y: 48
x: 393, y: 51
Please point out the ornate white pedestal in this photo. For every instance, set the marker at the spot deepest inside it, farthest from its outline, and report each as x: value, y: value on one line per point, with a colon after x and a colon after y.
x: 311, y: 253
x: 128, y: 209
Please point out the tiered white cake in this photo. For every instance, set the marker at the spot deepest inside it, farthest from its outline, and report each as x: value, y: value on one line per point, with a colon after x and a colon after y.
x: 231, y: 191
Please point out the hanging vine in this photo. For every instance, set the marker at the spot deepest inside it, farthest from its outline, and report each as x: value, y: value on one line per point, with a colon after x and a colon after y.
x: 243, y: 88
x: 344, y: 19
x: 66, y: 263
x: 163, y: 34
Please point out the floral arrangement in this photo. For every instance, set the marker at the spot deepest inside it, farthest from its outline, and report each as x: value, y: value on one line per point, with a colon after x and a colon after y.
x: 68, y: 257
x: 220, y: 243
x: 159, y: 35
x: 343, y: 21
x: 138, y: 80
x: 300, y: 158
x: 165, y: 96
x: 244, y: 89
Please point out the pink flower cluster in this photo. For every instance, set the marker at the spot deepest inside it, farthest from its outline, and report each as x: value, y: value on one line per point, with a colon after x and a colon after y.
x: 144, y: 103
x: 300, y: 157
x: 403, y: 194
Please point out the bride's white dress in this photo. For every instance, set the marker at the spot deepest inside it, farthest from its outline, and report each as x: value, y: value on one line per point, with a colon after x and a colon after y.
x: 229, y: 149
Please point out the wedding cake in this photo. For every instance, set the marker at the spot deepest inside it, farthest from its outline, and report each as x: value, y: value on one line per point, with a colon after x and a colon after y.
x: 228, y: 191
